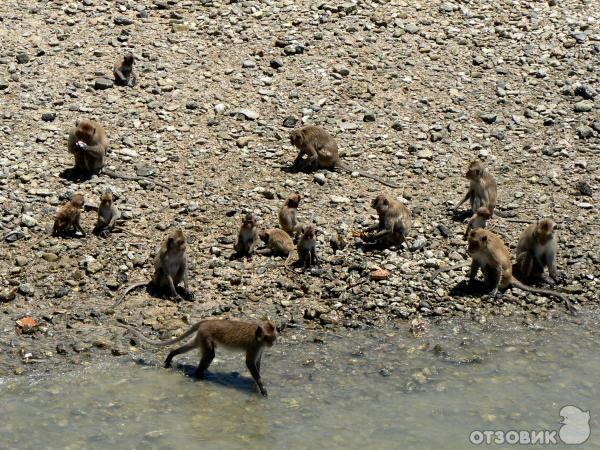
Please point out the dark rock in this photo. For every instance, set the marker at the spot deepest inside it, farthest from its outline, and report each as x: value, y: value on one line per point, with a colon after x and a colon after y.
x: 276, y: 63
x: 584, y: 188
x: 120, y: 20
x: 290, y: 122
x: 22, y: 58
x: 48, y: 116
x: 488, y: 118
x: 103, y: 83
x: 585, y: 91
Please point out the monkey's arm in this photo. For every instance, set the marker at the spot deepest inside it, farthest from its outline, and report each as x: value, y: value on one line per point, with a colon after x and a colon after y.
x: 174, y: 292
x: 497, y: 272
x: 465, y: 198
x: 116, y: 215
x: 119, y: 75
x: 77, y: 225
x: 474, y: 270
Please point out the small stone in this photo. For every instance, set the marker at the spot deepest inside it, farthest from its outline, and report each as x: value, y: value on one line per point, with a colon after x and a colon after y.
x: 488, y: 118
x: 369, y: 117
x: 61, y: 349
x: 26, y: 289
x: 276, y: 63
x: 290, y: 122
x: 191, y: 105
x: 50, y: 257
x: 28, y: 221
x: 583, y: 106
x: 103, y: 83
x: 120, y: 20
x: 3, y: 84
x: 586, y: 91
x: 8, y: 295
x: 411, y: 28
x: 26, y: 323
x: 220, y: 108
x: 418, y: 243
x: 425, y: 154
x: 341, y: 70
x: 584, y: 132
x: 248, y: 63
x: 584, y: 188
x: 337, y: 199
x: 22, y: 58
x: 379, y: 274
x: 398, y: 126
x: 320, y: 178
x: 144, y: 170
x: 243, y: 141
x: 48, y: 116
x: 247, y: 114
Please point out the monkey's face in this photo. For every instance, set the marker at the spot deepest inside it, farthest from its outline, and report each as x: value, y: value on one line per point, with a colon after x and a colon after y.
x: 380, y: 204
x: 78, y: 200
x: 545, y: 231
x: 85, y: 131
x: 128, y: 59
x: 176, y: 242
x: 266, y: 333
x: 296, y: 138
x: 474, y: 171
x: 477, y: 241
x: 264, y: 236
x: 308, y: 232
x: 249, y: 221
x: 293, y: 201
x: 106, y: 199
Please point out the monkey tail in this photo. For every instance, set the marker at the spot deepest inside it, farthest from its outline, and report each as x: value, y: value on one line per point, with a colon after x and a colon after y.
x: 143, y: 338
x: 121, y: 176
x: 448, y: 269
x: 128, y: 289
x: 343, y: 166
x: 507, y: 215
x: 516, y: 283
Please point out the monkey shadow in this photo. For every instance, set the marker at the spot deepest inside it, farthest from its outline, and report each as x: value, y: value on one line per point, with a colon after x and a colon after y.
x: 460, y: 216
x: 229, y: 380
x: 74, y: 175
x: 372, y: 247
x: 466, y: 288
x: 70, y: 234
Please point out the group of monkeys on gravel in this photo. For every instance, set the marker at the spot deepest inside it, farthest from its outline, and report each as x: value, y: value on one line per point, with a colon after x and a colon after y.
x: 317, y: 149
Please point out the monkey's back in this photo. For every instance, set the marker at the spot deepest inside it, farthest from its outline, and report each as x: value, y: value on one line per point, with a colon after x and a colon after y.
x: 233, y: 334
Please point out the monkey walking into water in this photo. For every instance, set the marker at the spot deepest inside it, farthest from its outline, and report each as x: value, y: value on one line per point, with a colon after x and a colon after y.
x: 321, y: 151
x: 123, y: 70
x: 251, y: 337
x: 394, y: 221
x: 489, y: 254
x: 288, y: 215
x: 170, y: 268
x: 482, y: 190
x: 536, y: 250
x: 68, y: 217
x: 247, y: 237
x: 88, y: 144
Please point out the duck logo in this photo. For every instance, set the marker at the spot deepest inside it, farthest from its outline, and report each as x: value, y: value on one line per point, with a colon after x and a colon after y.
x: 576, y: 427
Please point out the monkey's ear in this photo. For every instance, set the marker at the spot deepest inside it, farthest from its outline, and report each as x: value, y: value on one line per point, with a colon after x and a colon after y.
x: 259, y: 332
x: 270, y: 328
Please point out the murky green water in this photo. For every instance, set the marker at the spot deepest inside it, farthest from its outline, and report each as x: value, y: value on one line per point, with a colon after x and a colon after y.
x: 367, y: 390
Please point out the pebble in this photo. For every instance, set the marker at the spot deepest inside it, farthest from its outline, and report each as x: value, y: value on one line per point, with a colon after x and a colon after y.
x: 103, y: 83
x: 583, y: 106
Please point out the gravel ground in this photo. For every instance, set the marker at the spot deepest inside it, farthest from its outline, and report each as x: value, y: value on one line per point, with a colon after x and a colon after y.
x: 412, y: 91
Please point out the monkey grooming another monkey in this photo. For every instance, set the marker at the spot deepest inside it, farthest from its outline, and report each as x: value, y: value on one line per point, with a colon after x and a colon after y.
x: 482, y: 189
x: 88, y: 144
x: 170, y: 268
x: 247, y: 237
x: 108, y: 214
x: 394, y: 221
x: 278, y: 242
x: 251, y: 337
x: 123, y: 70
x: 536, y: 250
x: 307, y: 246
x: 321, y: 152
x: 287, y: 215
x: 68, y: 217
x: 478, y: 220
x: 489, y: 253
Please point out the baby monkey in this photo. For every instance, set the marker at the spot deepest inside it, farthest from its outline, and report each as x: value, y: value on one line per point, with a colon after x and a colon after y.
x: 536, y: 250
x: 108, y: 214
x: 489, y: 253
x: 307, y: 246
x: 478, y: 220
x: 68, y: 218
x: 251, y: 337
x: 247, y: 237
x: 321, y: 151
x: 123, y: 70
x: 287, y: 215
x: 394, y: 221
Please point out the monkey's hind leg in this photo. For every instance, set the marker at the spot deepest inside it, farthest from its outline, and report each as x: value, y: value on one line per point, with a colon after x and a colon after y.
x: 178, y: 351
x: 253, y: 365
x: 208, y: 354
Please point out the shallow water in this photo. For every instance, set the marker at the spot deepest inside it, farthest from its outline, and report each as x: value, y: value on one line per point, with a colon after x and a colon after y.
x: 368, y: 390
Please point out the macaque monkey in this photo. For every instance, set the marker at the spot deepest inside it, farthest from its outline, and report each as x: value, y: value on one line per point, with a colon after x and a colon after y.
x: 394, y: 221
x: 321, y: 152
x: 170, y: 268
x: 478, y: 220
x: 287, y: 215
x: 69, y: 217
x: 278, y: 242
x: 482, y: 188
x: 123, y: 70
x: 337, y: 242
x: 108, y: 214
x: 247, y: 237
x: 252, y: 337
x: 88, y: 144
x: 307, y: 246
x: 489, y: 253
x: 536, y: 250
